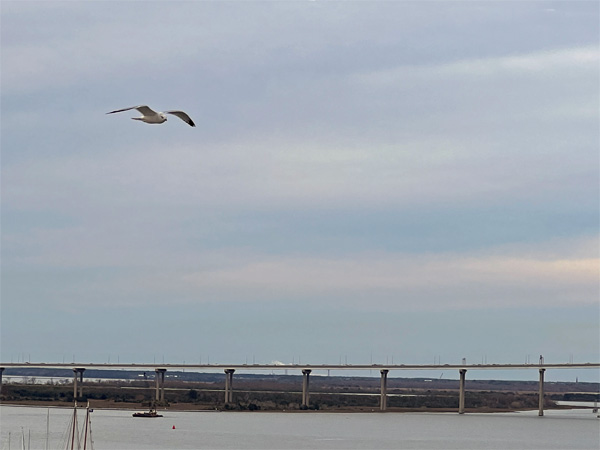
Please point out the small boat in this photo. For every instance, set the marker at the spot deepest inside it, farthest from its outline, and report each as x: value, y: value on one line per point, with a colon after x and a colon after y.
x: 151, y: 413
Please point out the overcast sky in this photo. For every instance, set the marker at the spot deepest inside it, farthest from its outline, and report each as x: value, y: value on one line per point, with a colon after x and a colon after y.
x: 367, y: 180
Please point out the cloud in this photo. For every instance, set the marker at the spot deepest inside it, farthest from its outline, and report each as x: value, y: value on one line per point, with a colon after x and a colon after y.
x: 546, y: 63
x: 537, y: 63
x: 82, y: 45
x: 553, y: 274
x: 400, y: 281
x: 368, y: 172
x: 274, y: 173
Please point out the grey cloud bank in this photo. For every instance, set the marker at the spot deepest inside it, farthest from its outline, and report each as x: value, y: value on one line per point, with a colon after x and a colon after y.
x: 353, y: 164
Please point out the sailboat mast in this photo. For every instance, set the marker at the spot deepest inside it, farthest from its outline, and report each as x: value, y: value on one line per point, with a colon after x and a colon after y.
x: 74, y: 426
x: 47, y: 427
x: 87, y: 421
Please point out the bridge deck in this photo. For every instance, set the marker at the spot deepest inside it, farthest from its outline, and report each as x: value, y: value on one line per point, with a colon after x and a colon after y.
x: 303, y: 366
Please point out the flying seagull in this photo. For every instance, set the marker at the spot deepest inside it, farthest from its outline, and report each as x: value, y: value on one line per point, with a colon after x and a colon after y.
x: 150, y: 116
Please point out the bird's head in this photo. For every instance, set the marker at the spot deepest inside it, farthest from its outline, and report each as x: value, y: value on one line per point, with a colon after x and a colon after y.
x: 163, y: 117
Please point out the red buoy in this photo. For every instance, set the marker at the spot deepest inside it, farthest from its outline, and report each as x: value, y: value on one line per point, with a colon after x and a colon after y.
x: 173, y: 426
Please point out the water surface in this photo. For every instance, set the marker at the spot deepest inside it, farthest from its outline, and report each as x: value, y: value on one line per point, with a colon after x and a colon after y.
x: 117, y: 429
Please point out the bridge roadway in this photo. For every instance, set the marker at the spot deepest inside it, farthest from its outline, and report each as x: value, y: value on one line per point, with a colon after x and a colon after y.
x: 229, y: 369
x: 303, y: 366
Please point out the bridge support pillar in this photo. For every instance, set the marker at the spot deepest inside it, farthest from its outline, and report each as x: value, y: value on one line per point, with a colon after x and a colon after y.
x: 383, y: 393
x: 541, y: 393
x: 229, y: 385
x: 461, y: 394
x: 160, y: 385
x: 305, y: 387
x: 77, y: 374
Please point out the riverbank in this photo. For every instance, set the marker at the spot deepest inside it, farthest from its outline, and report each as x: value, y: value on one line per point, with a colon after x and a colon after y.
x: 274, y: 393
x: 187, y: 407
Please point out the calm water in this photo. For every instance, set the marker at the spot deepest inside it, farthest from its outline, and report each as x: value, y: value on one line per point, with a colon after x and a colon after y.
x: 115, y: 430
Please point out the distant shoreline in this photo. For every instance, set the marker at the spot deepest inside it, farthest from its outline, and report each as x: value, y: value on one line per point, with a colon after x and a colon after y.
x: 182, y: 407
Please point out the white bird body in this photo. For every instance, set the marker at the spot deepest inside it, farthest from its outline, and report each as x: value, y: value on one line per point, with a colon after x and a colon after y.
x: 150, y: 116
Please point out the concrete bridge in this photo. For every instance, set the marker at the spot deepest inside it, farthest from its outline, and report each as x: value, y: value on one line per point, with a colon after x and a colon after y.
x: 229, y: 370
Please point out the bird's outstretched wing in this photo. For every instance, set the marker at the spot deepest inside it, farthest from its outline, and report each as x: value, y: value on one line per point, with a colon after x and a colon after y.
x: 142, y: 108
x: 183, y: 116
